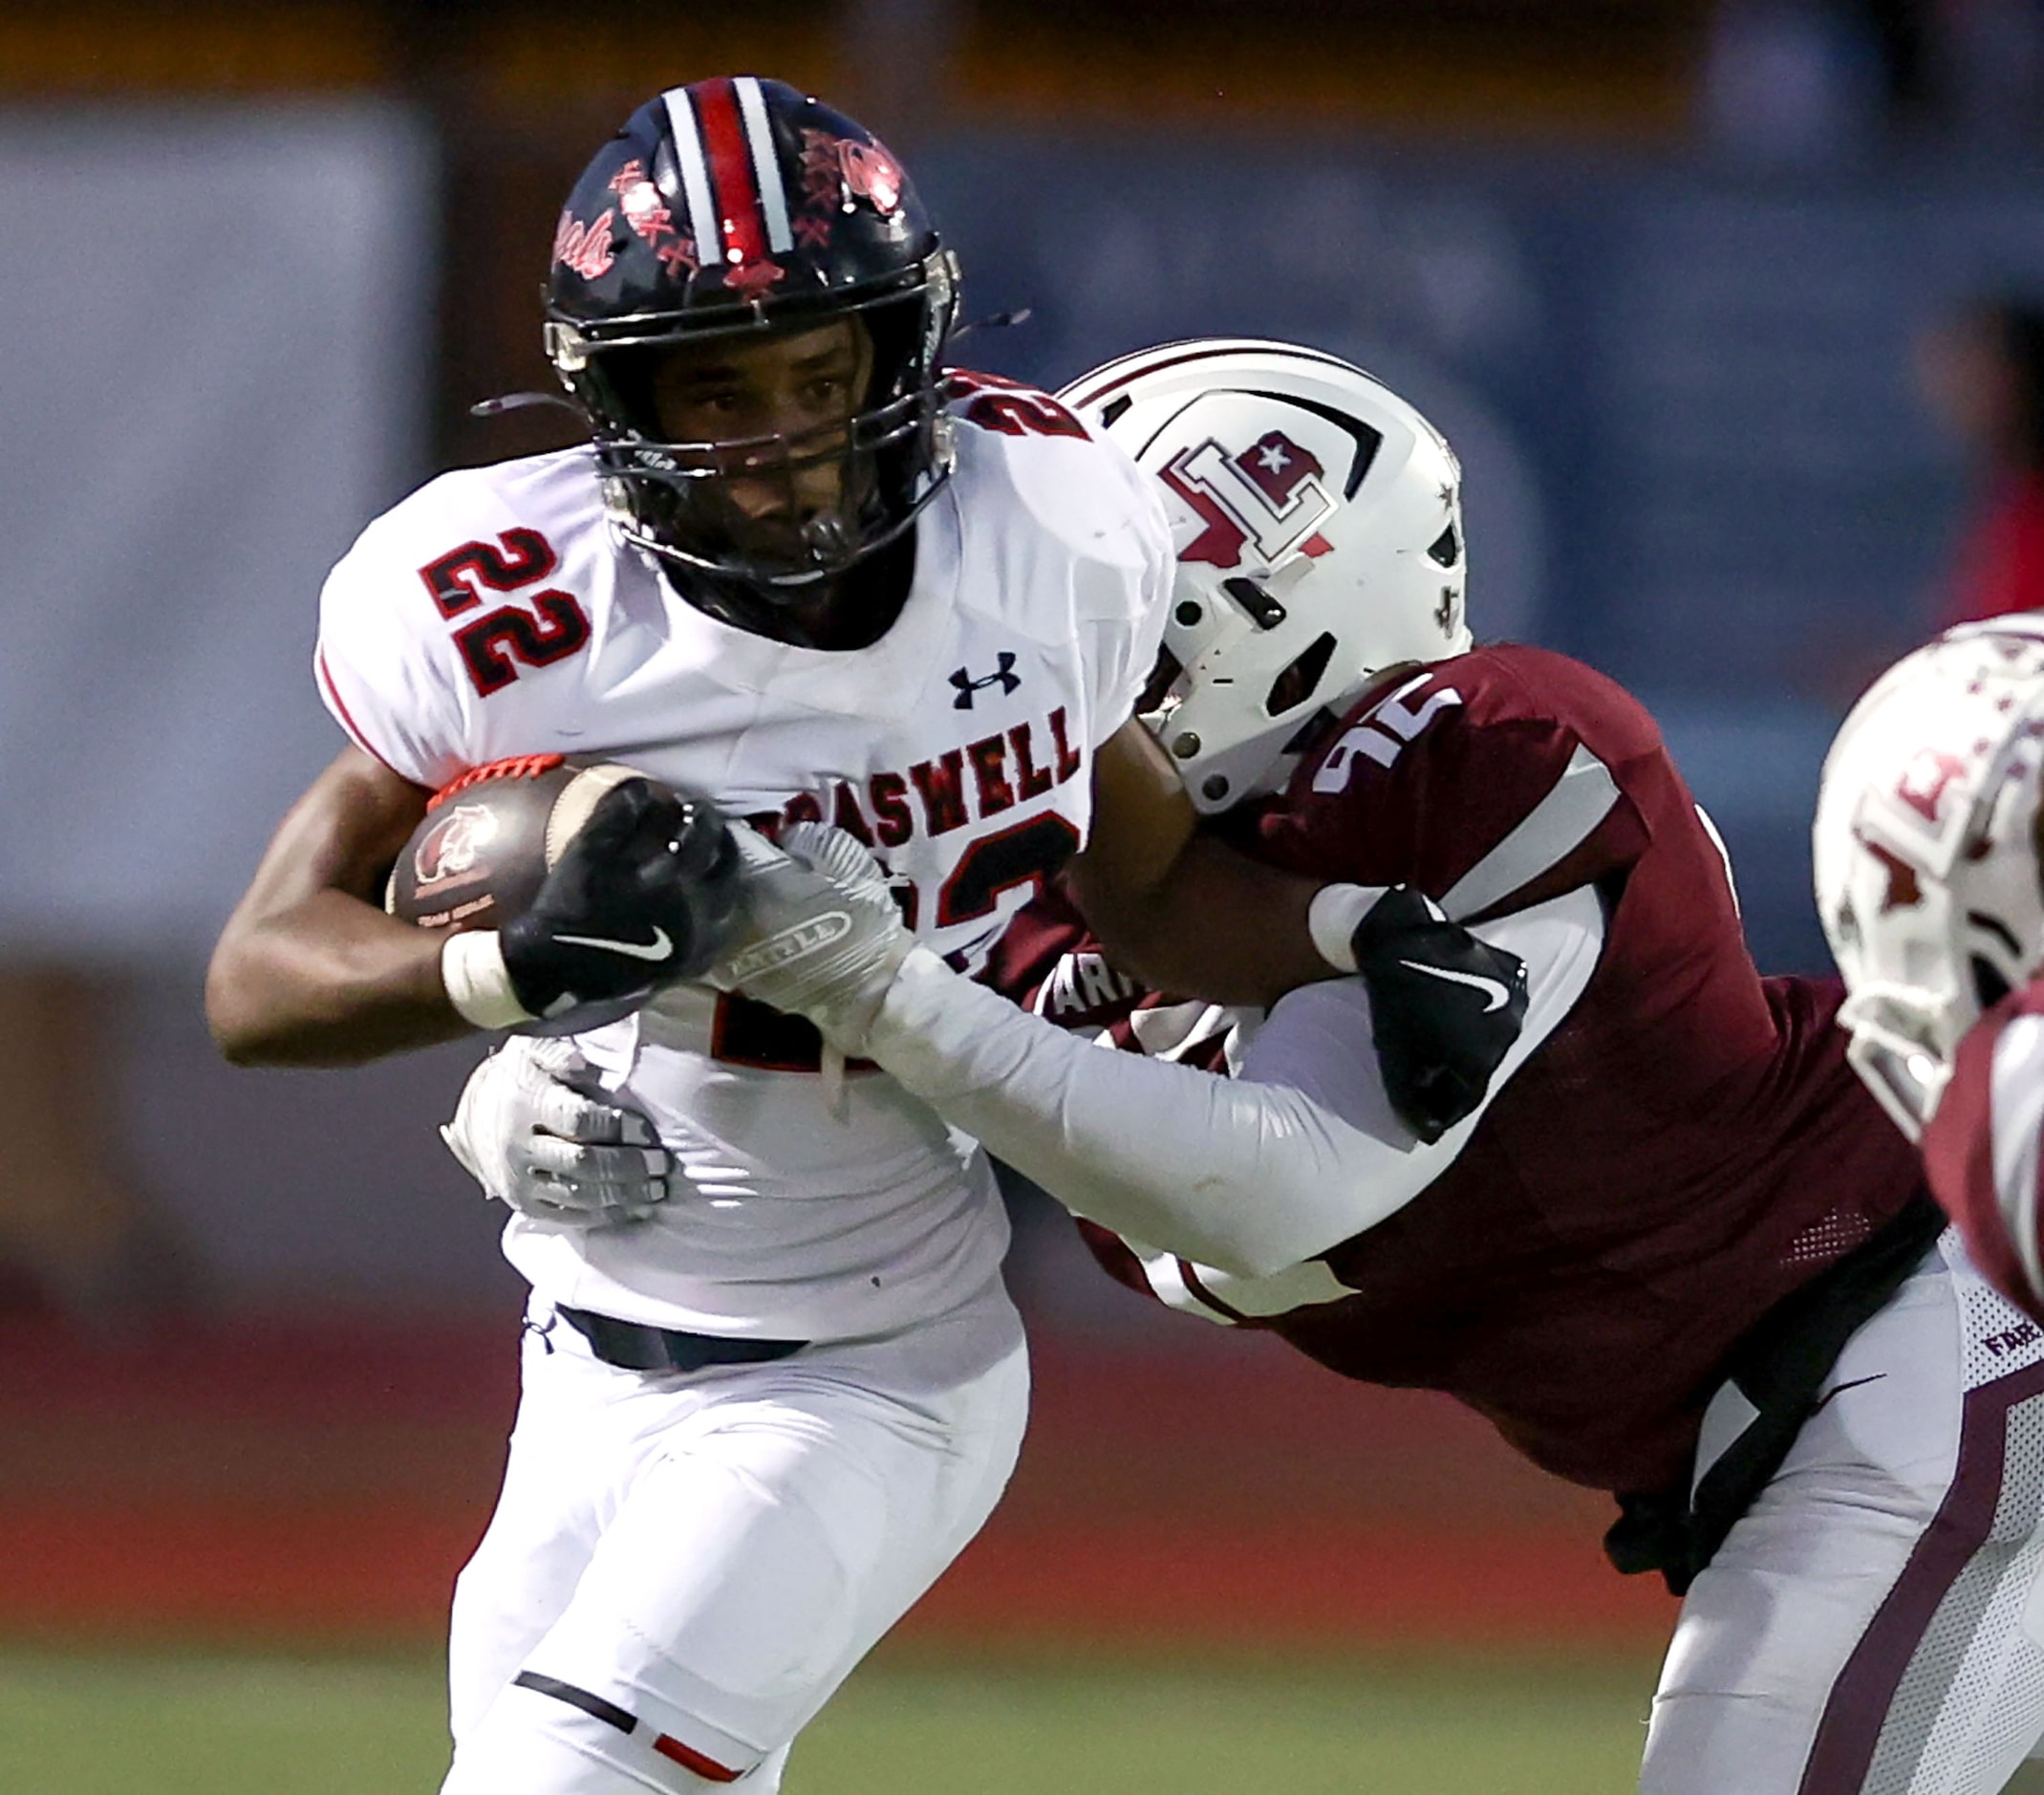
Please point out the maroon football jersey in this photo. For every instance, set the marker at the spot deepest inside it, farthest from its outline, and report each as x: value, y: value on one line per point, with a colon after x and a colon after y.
x: 1980, y: 1147
x: 1685, y: 1150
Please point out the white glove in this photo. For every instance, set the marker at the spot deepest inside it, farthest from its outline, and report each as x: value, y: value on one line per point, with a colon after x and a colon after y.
x: 538, y: 1131
x: 823, y: 936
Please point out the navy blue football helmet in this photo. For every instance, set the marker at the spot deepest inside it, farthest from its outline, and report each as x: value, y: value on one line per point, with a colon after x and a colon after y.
x: 724, y: 209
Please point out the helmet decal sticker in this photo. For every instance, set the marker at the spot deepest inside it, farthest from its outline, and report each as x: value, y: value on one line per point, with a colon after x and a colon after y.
x: 752, y: 278
x: 586, y: 249
x: 870, y: 174
x: 647, y: 213
x: 1925, y: 779
x: 1279, y: 465
x: 835, y: 172
x: 1269, y: 494
x: 823, y: 175
x: 1905, y: 891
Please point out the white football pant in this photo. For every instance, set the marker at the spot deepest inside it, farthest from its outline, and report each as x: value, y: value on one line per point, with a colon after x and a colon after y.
x: 1875, y: 1624
x: 683, y: 1567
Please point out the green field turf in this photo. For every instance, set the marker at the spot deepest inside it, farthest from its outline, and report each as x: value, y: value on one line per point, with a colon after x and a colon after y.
x: 74, y: 1724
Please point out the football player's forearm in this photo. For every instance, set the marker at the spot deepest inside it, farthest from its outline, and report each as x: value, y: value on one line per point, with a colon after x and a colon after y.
x: 1250, y: 1175
x: 1215, y: 924
x: 1166, y: 902
x: 309, y: 971
x: 1247, y: 1178
x: 328, y: 982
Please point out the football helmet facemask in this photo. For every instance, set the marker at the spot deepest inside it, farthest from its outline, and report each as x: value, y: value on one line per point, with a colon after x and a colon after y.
x: 1925, y: 854
x: 727, y: 211
x: 1318, y: 520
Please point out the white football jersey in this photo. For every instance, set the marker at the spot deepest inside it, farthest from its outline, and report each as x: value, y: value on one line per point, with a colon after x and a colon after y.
x: 493, y: 613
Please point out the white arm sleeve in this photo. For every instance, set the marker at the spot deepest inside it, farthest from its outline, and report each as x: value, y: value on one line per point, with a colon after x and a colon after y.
x: 1248, y: 1175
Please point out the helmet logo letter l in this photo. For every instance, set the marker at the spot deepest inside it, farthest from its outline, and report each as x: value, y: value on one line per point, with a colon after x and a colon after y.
x: 1270, y: 495
x: 1924, y: 781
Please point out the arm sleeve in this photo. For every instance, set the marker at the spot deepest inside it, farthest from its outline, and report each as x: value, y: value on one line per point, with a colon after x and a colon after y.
x: 1248, y: 1175
x: 1981, y: 1149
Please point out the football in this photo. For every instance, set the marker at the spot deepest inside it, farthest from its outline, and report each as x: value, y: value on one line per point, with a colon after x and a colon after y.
x: 489, y: 840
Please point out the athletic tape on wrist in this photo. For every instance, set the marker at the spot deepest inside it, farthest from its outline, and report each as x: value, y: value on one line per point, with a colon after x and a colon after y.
x: 472, y: 968
x: 1333, y: 917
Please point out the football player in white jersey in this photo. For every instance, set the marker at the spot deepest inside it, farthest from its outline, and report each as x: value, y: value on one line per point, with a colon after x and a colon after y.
x: 802, y: 570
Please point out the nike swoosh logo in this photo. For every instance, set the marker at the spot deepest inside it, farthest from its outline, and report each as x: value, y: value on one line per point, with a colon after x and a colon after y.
x: 659, y: 948
x: 1499, y: 996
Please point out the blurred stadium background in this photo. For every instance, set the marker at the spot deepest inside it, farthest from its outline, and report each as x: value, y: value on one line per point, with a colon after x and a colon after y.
x: 1659, y: 267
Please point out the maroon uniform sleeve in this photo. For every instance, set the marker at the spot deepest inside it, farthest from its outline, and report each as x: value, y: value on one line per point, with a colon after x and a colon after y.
x: 1981, y: 1149
x: 1492, y: 783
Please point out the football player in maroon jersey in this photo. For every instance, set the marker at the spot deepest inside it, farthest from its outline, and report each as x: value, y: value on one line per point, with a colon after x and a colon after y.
x: 1522, y: 1122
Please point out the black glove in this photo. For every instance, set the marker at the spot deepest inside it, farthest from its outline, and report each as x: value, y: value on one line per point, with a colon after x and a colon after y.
x: 1445, y: 1009
x: 645, y: 893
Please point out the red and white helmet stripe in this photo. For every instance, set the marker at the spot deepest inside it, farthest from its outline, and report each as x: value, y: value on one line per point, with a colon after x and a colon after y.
x: 766, y: 164
x: 730, y: 176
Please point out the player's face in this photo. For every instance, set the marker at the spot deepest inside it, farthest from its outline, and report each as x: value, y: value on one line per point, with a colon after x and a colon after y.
x: 779, y: 407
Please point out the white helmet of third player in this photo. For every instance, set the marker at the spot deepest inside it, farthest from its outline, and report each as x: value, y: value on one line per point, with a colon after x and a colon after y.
x: 1317, y: 519
x: 1925, y: 852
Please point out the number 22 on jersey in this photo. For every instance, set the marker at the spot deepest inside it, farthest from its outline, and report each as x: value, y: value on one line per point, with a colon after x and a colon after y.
x: 494, y: 645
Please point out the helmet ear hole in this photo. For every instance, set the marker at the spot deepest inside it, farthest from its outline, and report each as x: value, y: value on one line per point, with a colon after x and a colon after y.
x: 1163, y: 676
x: 1990, y: 988
x: 1446, y: 547
x: 1297, y: 683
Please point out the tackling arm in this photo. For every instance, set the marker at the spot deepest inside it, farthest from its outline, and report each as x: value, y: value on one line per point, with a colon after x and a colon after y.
x: 1250, y: 1175
x: 309, y: 971
x: 1247, y: 1176
x: 1159, y: 895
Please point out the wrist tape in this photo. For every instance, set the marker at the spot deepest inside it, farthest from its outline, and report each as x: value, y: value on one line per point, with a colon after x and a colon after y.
x: 1332, y: 917
x: 478, y: 986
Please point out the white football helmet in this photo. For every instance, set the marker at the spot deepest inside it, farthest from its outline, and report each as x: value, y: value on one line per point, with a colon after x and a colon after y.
x: 1925, y: 854
x: 1317, y: 519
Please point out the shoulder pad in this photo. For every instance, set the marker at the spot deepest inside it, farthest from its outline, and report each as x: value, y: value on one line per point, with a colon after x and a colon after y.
x: 1485, y: 782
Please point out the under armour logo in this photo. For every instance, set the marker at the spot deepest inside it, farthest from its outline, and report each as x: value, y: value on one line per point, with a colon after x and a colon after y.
x: 541, y: 1329
x: 1004, y: 676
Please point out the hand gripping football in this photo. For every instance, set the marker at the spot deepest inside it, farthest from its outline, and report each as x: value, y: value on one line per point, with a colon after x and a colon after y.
x: 599, y: 883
